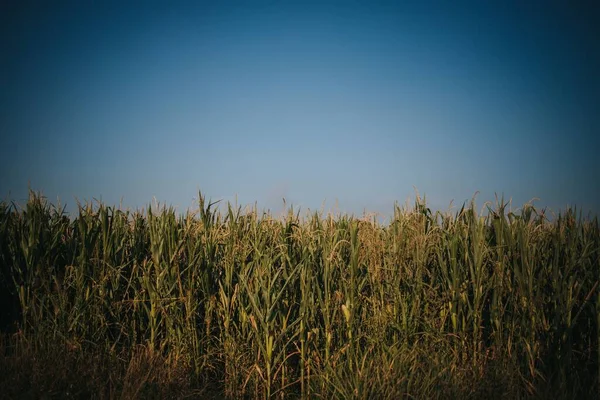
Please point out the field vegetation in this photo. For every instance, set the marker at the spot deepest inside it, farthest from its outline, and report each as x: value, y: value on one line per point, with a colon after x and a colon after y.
x: 235, y: 303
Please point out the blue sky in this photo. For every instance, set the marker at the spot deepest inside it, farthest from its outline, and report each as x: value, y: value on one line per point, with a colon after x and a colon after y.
x: 348, y: 102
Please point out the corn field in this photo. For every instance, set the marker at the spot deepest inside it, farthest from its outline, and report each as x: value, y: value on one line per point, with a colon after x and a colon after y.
x: 233, y: 303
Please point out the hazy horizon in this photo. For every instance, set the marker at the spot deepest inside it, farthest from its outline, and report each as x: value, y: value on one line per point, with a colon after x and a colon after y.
x: 350, y: 102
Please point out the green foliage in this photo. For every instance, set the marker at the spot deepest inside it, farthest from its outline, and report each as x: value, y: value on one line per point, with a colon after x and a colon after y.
x: 431, y: 305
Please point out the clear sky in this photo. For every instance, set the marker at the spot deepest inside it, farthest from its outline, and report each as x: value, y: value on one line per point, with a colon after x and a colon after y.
x: 357, y: 102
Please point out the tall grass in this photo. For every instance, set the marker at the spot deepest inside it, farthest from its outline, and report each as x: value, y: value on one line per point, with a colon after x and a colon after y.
x: 240, y: 304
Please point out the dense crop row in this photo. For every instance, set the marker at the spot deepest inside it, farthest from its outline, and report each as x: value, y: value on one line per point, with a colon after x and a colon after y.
x: 430, y: 305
